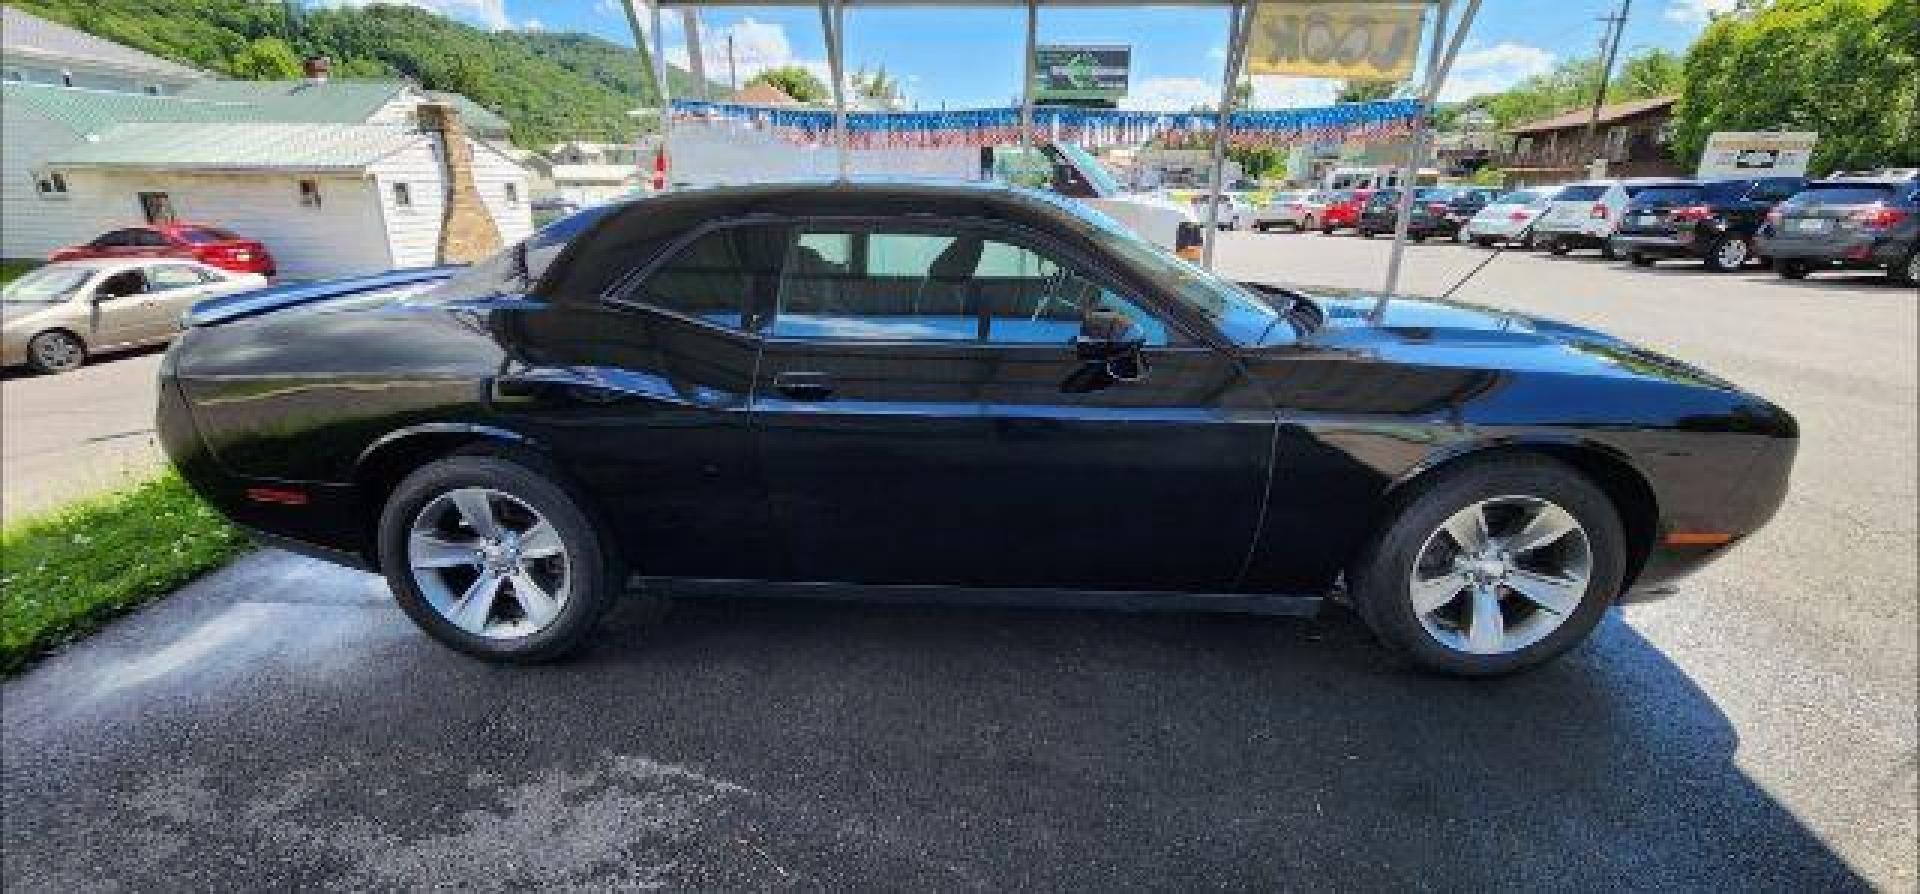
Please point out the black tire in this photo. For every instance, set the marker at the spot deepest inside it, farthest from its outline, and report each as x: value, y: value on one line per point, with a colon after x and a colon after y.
x: 1326, y: 229
x: 1907, y: 272
x: 1789, y: 268
x: 598, y: 575
x: 1483, y: 241
x: 1379, y: 577
x: 1559, y: 245
x: 1640, y: 259
x: 1365, y: 233
x: 1306, y: 224
x: 56, y: 351
x: 1606, y: 250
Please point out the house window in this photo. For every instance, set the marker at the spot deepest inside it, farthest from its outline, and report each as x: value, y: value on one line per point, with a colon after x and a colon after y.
x: 513, y: 194
x: 1617, y: 143
x: 153, y: 89
x: 51, y: 184
x: 310, y: 193
x: 402, y: 195
x: 13, y: 74
x: 66, y: 79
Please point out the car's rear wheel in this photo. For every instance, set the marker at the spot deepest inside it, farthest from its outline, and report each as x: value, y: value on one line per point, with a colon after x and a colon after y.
x: 1307, y: 224
x: 1728, y: 254
x: 1608, y: 251
x: 496, y: 560
x: 1559, y: 245
x: 1790, y: 268
x: 1326, y: 229
x: 1641, y: 259
x: 56, y: 352
x: 1492, y: 567
x: 1908, y: 271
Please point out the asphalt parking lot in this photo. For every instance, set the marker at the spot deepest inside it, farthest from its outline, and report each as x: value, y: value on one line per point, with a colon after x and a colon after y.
x: 280, y: 723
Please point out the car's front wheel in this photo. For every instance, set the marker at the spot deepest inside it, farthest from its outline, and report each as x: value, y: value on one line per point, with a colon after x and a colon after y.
x: 1559, y: 245
x: 1495, y: 566
x: 1789, y: 268
x: 1641, y: 259
x: 1907, y: 272
x: 56, y: 352
x: 1728, y: 254
x: 497, y: 560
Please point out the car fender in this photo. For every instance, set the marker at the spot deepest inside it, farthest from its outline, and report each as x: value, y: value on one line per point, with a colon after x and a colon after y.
x: 370, y: 455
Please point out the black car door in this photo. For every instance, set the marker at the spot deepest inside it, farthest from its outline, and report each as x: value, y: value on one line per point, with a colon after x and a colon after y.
x: 923, y: 419
x: 644, y: 397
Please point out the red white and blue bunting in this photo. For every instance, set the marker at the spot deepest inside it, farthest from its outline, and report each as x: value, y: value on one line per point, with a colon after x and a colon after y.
x: 1346, y: 122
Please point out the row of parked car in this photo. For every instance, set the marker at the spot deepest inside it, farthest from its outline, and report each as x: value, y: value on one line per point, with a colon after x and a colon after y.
x: 1853, y: 221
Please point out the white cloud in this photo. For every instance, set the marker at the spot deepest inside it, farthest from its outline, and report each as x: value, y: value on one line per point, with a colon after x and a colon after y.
x: 1493, y: 69
x: 1273, y: 92
x: 757, y: 46
x: 534, y: 25
x: 488, y: 13
x: 1697, y: 12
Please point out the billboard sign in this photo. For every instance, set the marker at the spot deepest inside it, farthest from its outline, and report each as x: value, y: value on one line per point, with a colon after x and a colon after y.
x: 1761, y: 154
x: 1080, y: 72
x: 1358, y: 41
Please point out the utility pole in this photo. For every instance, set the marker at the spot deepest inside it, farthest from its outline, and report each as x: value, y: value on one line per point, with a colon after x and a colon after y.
x: 696, y: 58
x: 1616, y: 25
x: 733, y: 70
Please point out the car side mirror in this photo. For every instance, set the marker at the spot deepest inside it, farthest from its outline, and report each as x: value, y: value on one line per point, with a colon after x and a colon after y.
x: 1112, y: 342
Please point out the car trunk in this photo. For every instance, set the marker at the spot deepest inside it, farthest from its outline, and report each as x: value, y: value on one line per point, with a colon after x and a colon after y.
x: 1821, y: 214
x: 1651, y: 212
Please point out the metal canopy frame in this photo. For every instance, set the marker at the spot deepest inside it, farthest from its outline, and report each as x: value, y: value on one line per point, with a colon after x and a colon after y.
x: 1441, y: 53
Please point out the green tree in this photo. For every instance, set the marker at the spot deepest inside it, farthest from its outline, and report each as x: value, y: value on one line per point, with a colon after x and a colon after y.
x: 876, y: 87
x: 1365, y: 91
x: 265, y: 59
x: 1652, y: 73
x: 1844, y: 68
x: 795, y: 81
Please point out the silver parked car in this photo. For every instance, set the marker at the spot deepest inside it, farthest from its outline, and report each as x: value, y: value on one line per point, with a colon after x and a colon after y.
x: 56, y: 316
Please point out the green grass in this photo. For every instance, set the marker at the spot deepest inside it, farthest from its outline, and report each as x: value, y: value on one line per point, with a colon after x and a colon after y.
x: 11, y: 270
x: 64, y: 574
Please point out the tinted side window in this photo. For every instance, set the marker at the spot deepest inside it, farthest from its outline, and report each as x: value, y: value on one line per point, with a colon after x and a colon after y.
x: 1585, y: 193
x: 886, y: 286
x: 714, y: 277
x: 115, y: 239
x: 149, y: 239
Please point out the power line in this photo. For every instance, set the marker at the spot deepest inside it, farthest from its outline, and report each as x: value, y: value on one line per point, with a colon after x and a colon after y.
x: 1616, y: 26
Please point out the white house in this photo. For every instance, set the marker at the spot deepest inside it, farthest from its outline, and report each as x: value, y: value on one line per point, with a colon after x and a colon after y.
x: 336, y: 177
x: 36, y: 51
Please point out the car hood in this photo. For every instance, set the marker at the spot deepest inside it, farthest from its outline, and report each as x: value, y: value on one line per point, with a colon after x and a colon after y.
x: 1446, y: 333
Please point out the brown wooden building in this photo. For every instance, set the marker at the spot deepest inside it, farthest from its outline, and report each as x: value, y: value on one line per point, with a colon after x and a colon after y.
x: 1634, y: 137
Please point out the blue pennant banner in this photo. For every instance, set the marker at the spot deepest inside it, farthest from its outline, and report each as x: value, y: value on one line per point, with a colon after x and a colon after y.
x: 1346, y: 122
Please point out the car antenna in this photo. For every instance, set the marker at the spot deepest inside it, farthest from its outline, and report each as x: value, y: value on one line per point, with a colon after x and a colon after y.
x: 1523, y: 237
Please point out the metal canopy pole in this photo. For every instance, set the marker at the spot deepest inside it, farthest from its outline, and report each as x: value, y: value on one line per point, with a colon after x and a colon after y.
x: 1438, y: 64
x: 1238, y: 28
x: 696, y: 59
x: 1026, y: 94
x: 832, y: 21
x: 659, y: 59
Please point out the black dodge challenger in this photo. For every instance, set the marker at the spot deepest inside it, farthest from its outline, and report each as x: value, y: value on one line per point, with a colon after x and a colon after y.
x: 908, y: 387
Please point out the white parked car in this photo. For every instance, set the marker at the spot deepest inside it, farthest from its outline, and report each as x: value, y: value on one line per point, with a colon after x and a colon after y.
x: 1236, y: 213
x: 58, y: 315
x: 1299, y: 209
x: 1585, y: 214
x: 1508, y: 216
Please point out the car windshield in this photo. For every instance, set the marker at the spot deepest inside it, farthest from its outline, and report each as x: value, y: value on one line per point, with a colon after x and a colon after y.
x: 1290, y: 197
x: 1241, y: 317
x: 1521, y: 197
x: 1585, y: 192
x: 1097, y: 174
x: 1845, y: 194
x: 1661, y: 194
x: 47, y: 285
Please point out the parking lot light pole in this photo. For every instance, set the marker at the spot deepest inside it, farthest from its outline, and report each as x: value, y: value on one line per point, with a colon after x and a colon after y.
x: 1439, y: 61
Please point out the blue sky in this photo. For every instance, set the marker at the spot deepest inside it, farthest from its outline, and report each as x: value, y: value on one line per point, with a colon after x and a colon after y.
x: 971, y: 57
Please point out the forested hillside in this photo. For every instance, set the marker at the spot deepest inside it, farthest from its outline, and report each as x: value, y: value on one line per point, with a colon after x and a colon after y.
x: 549, y: 86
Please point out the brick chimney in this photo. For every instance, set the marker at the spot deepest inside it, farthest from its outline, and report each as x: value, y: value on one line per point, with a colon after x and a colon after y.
x: 316, y: 68
x: 468, y: 232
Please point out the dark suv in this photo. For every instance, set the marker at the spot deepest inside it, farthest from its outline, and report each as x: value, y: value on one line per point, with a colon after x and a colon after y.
x: 1865, y: 222
x: 1714, y: 220
x: 1434, y: 211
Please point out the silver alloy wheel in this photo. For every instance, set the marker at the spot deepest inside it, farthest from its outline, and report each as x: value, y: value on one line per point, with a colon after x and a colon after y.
x: 1500, y: 575
x: 56, y: 351
x: 1913, y: 267
x: 1733, y: 253
x: 468, y: 545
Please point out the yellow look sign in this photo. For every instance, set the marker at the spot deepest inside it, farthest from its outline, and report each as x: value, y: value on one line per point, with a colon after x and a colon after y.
x: 1355, y: 41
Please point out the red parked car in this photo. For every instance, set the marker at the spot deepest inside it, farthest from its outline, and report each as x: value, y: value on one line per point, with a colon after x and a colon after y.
x: 212, y: 246
x: 1343, y: 210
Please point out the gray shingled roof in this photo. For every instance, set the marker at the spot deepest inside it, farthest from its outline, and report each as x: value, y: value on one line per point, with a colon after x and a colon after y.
x: 28, y: 35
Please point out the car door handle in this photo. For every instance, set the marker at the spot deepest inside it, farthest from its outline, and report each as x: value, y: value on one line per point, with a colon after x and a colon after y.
x: 804, y: 385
